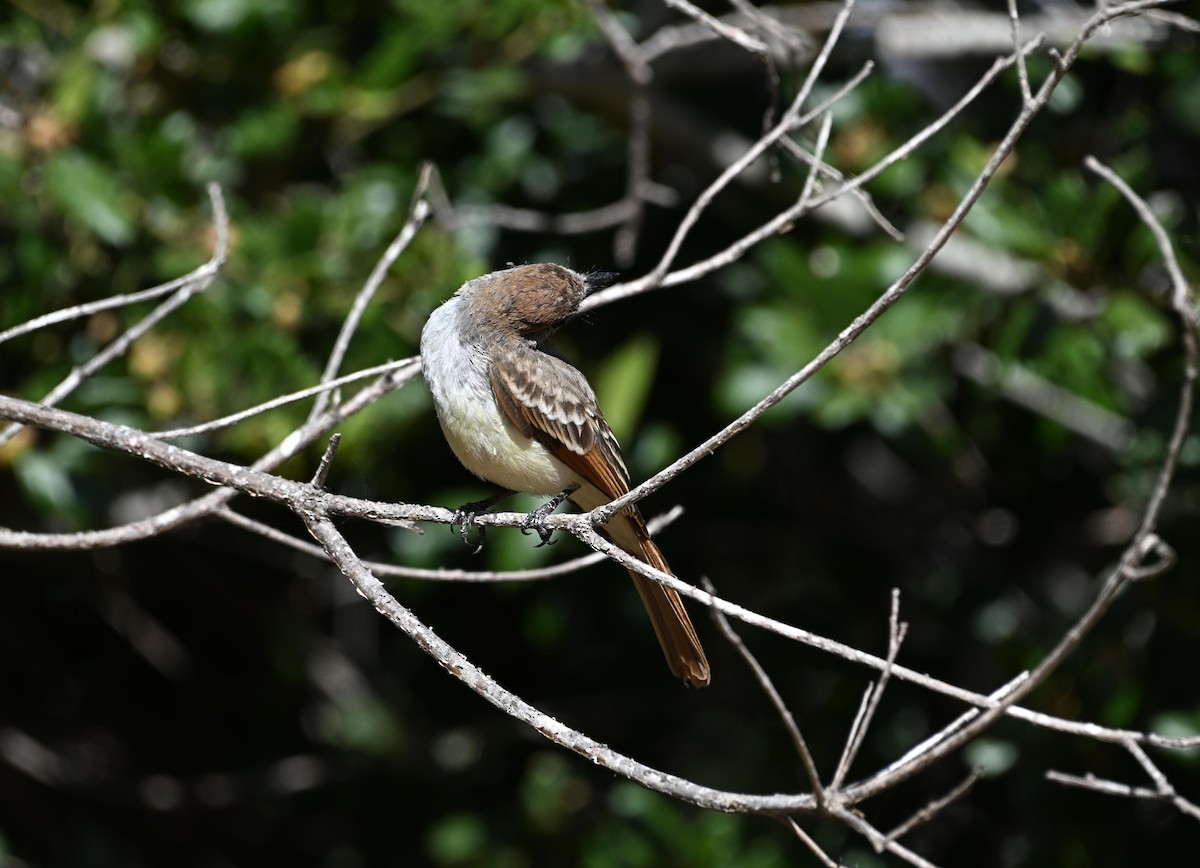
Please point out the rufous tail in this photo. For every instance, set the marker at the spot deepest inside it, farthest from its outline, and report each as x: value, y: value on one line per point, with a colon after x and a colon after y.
x: 672, y: 626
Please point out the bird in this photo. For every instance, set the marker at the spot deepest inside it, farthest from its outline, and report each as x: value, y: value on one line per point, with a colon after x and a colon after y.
x: 517, y: 415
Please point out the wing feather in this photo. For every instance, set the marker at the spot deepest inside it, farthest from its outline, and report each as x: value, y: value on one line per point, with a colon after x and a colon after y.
x: 547, y: 399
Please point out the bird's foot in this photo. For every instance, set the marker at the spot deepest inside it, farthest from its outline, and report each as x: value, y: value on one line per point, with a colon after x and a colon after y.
x: 536, y: 520
x: 465, y: 515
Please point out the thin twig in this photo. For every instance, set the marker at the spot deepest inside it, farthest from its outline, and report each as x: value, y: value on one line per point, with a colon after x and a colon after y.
x: 896, y: 633
x: 818, y: 155
x: 768, y: 687
x: 637, y: 159
x: 442, y: 574
x: 856, y: 726
x: 187, y: 287
x: 283, y: 400
x: 808, y: 842
x: 779, y: 222
x: 791, y: 120
x: 312, y: 510
x: 201, y: 507
x: 1022, y: 70
x: 255, y: 482
x: 863, y: 197
x: 855, y: 820
x: 935, y: 807
x: 726, y: 31
x: 322, y: 472
x: 1185, y: 308
x: 418, y: 213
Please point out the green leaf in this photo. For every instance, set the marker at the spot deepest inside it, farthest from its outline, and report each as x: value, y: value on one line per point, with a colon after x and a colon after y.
x: 623, y: 383
x: 89, y: 193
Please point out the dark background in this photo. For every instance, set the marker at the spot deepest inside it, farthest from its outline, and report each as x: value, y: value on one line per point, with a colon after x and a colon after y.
x: 207, y: 698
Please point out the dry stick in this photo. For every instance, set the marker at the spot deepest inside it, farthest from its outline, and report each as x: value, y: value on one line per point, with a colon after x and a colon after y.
x: 282, y: 400
x: 862, y: 722
x: 878, y: 840
x: 1161, y: 783
x: 637, y: 176
x: 863, y: 197
x: 896, y: 290
x: 727, y: 31
x: 450, y: 216
x: 1132, y: 565
x: 384, y: 570
x: 812, y: 845
x: 322, y: 471
x: 109, y: 436
x: 1115, y: 788
x: 750, y: 43
x: 1175, y: 19
x: 935, y: 807
x: 769, y: 27
x: 855, y: 727
x: 788, y: 122
x: 1185, y: 308
x: 781, y: 221
x: 768, y: 687
x: 527, y: 220
x: 1102, y: 785
x: 196, y: 282
x: 418, y: 213
x: 637, y: 168
x: 579, y: 526
x: 312, y: 509
x: 91, y: 307
x: 1022, y: 70
x: 810, y: 182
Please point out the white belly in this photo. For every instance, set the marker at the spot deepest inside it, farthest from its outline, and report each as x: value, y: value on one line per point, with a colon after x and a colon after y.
x: 481, y: 437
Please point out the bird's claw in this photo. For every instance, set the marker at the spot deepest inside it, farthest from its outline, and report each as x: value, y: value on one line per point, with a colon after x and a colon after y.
x: 536, y: 521
x: 464, y: 520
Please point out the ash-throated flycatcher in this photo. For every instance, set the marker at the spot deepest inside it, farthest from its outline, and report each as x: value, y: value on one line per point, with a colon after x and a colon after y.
x: 518, y: 416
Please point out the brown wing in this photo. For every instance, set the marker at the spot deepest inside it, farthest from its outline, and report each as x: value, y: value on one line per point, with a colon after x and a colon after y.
x: 547, y: 399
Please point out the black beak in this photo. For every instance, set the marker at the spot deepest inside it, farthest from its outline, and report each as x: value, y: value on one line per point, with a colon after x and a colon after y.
x: 600, y: 279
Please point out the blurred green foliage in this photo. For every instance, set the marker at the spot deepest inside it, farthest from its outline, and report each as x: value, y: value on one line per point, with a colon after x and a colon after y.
x: 291, y: 725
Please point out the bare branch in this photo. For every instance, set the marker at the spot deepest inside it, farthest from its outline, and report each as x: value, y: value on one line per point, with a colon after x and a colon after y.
x: 384, y: 570
x: 935, y: 807
x: 1184, y: 304
x: 1022, y: 71
x: 862, y: 722
x: 186, y: 287
x: 894, y: 292
x: 878, y: 840
x: 125, y: 439
x: 791, y: 120
x: 418, y: 213
x: 726, y: 31
x: 253, y: 481
x: 226, y: 421
x: 312, y: 510
x: 768, y: 687
x: 808, y: 842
